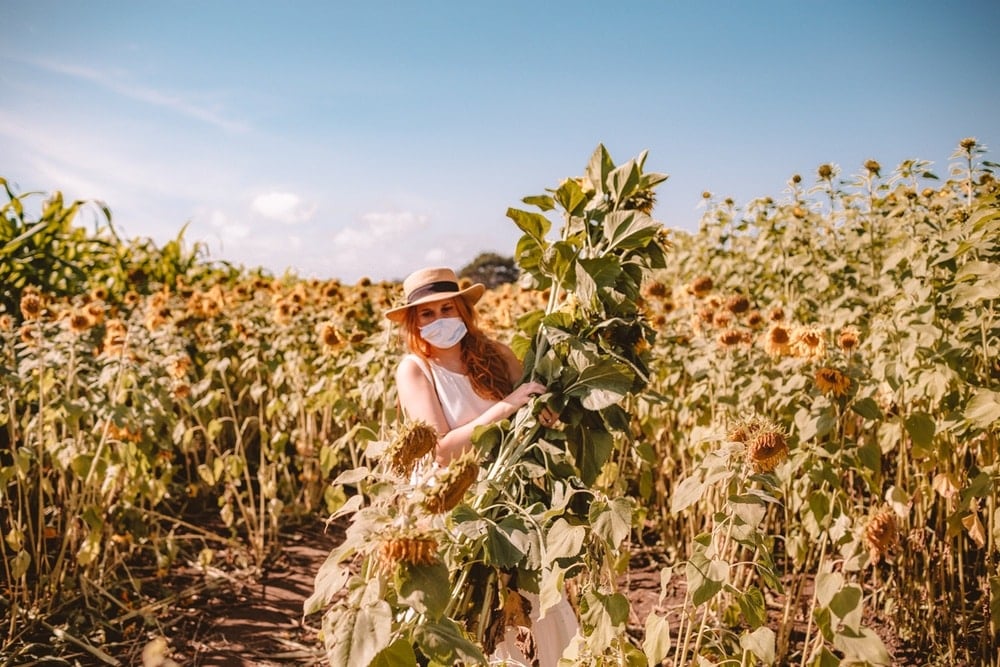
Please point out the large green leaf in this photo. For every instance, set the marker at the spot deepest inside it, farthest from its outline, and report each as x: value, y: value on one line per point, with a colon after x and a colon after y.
x: 612, y: 521
x: 602, y: 384
x: 444, y: 642
x: 425, y: 588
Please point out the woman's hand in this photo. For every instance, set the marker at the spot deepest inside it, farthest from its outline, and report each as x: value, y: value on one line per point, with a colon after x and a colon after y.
x: 547, y: 416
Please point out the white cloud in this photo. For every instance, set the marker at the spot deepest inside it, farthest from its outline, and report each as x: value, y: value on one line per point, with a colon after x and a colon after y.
x: 284, y: 207
x: 377, y: 228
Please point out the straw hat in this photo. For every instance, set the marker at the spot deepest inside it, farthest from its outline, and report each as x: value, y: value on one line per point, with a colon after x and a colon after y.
x: 435, y: 284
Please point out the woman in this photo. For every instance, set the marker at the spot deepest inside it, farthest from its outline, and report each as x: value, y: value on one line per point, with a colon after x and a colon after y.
x: 456, y: 378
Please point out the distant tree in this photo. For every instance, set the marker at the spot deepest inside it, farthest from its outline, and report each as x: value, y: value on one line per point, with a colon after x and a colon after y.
x: 490, y: 269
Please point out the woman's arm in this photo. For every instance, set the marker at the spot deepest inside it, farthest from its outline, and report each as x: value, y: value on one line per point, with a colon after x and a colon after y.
x: 420, y: 402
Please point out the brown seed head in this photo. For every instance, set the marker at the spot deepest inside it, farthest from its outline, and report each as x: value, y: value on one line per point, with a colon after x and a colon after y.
x: 825, y: 171
x: 412, y: 549
x: 881, y: 533
x: 832, y: 381
x: 873, y: 167
x: 31, y: 305
x: 415, y: 440
x: 848, y: 339
x: 738, y: 304
x: 767, y: 450
x: 452, y: 484
x: 701, y: 286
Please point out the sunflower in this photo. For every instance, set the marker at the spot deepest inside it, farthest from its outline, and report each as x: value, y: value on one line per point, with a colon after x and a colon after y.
x: 410, y: 445
x: 881, y: 534
x: 808, y: 342
x: 832, y: 381
x: 701, y: 286
x: 80, y: 320
x: 731, y: 337
x: 778, y: 340
x: 737, y: 304
x: 330, y: 336
x: 31, y: 305
x: 451, y: 485
x: 412, y: 548
x: 766, y: 449
x: 848, y: 339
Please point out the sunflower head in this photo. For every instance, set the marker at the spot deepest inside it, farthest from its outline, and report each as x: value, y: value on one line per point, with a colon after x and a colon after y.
x: 410, y: 445
x: 881, y: 533
x: 848, y: 339
x: 832, y: 381
x: 409, y: 547
x: 766, y: 448
x: 31, y: 305
x: 452, y: 484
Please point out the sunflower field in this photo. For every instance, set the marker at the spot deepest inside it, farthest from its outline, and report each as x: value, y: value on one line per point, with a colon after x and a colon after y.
x: 796, y: 408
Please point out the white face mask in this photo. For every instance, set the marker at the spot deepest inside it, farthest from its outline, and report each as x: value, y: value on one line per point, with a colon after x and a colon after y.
x: 444, y: 332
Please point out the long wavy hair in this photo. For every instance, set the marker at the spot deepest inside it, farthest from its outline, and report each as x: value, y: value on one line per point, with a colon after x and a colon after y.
x: 482, y: 358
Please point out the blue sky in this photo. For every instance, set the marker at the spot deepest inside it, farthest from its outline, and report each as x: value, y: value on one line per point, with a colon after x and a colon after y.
x: 340, y: 140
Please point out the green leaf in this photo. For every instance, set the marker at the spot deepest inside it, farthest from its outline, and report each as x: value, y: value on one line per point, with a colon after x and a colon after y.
x: 983, y: 409
x: 534, y: 225
x: 612, y: 522
x: 544, y: 202
x: 398, y: 654
x: 752, y: 606
x: 444, y: 642
x: 863, y: 645
x: 921, y: 427
x: 846, y: 604
x: 563, y: 541
x: 360, y: 634
x: 605, y: 616
x: 425, y: 588
x: 627, y: 230
x: 656, y: 643
x: 867, y: 408
x: 687, y: 493
x: 827, y: 585
x: 705, y: 577
x: 760, y: 642
x: 602, y: 384
x: 500, y: 552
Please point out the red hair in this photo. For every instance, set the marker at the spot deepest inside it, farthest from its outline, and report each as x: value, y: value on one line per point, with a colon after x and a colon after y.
x: 483, y: 360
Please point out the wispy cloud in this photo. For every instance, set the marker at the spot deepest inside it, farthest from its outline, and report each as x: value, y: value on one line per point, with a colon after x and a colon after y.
x: 286, y: 207
x: 378, y: 227
x: 117, y: 84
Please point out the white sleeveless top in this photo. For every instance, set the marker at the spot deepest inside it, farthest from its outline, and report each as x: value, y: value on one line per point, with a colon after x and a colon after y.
x: 459, y: 402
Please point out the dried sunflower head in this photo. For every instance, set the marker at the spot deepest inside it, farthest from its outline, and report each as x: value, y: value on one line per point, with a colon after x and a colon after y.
x: 701, y: 286
x: 409, y: 547
x: 451, y: 485
x: 31, y: 305
x: 737, y: 304
x: 778, y: 340
x: 410, y: 445
x: 766, y: 448
x: 848, y: 339
x: 832, y: 381
x: 808, y: 342
x: 881, y: 533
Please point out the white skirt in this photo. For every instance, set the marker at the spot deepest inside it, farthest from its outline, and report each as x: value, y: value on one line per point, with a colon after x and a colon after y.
x: 552, y: 635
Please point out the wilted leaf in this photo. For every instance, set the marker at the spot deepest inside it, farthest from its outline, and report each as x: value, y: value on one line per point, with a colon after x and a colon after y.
x: 760, y: 642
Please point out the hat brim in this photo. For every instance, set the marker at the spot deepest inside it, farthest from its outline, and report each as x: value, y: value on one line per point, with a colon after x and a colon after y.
x: 471, y: 294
